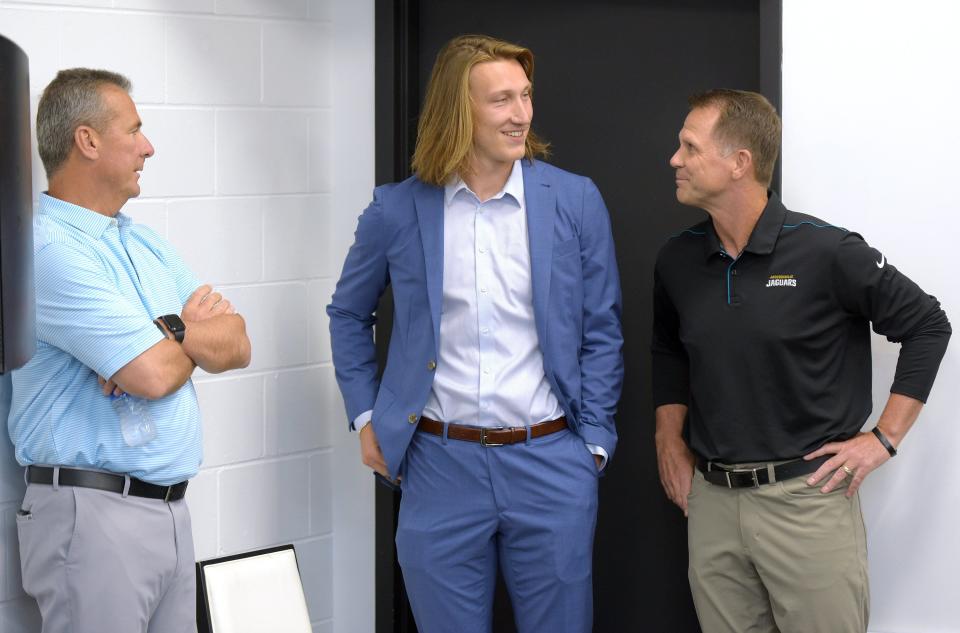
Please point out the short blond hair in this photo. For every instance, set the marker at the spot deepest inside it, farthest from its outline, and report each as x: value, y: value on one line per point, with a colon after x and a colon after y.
x: 747, y: 120
x: 445, y: 130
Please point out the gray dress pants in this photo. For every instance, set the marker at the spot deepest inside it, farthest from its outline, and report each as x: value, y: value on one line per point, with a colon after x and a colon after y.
x: 99, y: 562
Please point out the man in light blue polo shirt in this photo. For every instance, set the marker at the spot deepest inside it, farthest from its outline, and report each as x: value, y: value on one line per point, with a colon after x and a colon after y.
x: 104, y: 532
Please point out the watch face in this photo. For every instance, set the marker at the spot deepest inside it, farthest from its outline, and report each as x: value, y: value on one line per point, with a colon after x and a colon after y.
x: 176, y: 326
x: 174, y: 323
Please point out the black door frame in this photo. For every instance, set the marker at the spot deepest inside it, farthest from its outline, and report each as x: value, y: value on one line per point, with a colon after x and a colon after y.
x: 396, y: 108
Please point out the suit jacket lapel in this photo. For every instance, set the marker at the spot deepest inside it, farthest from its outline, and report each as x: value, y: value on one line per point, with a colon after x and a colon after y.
x: 541, y: 209
x: 429, y: 203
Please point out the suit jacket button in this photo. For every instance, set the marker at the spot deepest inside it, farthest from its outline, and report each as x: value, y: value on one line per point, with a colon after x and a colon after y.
x: 432, y: 365
x: 412, y: 418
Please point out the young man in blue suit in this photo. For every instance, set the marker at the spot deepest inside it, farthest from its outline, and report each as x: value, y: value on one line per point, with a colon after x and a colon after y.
x: 495, y: 409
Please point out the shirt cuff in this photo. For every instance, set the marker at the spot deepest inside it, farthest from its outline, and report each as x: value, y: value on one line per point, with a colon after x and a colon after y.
x: 596, y: 450
x: 362, y: 420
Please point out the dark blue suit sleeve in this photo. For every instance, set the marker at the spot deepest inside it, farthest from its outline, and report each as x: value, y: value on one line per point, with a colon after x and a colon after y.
x: 601, y: 351
x: 352, y: 311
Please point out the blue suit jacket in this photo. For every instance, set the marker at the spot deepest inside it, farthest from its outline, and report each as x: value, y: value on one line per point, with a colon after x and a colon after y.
x: 576, y: 303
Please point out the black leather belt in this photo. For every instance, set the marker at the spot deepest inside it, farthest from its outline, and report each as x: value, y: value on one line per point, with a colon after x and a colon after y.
x: 755, y: 477
x: 106, y: 481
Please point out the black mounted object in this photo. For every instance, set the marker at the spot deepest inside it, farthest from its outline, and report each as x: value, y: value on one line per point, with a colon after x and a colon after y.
x: 17, y: 314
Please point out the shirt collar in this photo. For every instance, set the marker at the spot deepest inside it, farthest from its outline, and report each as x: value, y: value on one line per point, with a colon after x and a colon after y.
x: 764, y: 235
x: 513, y: 186
x: 90, y: 222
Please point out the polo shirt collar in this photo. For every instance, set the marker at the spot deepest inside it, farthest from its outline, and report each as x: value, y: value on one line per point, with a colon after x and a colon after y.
x: 513, y: 186
x: 764, y: 235
x: 81, y: 218
x: 767, y: 230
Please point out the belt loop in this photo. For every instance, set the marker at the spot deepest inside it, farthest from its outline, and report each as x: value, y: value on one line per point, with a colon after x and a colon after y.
x: 528, y: 435
x: 771, y: 474
x: 56, y: 478
x: 446, y: 428
x: 26, y: 475
x: 126, y: 486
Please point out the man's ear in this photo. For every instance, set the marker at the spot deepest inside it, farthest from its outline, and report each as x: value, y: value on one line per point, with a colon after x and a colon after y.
x: 87, y: 142
x: 744, y: 164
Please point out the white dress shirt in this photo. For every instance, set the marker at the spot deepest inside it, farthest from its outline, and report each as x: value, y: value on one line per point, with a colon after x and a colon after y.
x: 489, y: 366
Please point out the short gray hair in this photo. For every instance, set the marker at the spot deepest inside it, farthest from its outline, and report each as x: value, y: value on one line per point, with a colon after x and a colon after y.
x: 70, y: 100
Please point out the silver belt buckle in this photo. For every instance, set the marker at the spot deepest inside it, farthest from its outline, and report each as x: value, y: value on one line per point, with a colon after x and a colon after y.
x: 752, y: 471
x: 483, y: 435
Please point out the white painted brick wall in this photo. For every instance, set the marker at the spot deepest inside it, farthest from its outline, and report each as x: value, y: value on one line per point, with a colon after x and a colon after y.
x: 264, y: 503
x: 234, y: 257
x: 262, y: 151
x: 232, y: 420
x: 202, y: 499
x: 178, y: 6
x: 297, y: 238
x: 152, y: 213
x: 278, y: 319
x: 238, y: 98
x: 321, y: 150
x: 183, y: 163
x: 128, y: 43
x: 280, y: 8
x: 212, y: 60
x: 293, y: 400
x: 286, y: 45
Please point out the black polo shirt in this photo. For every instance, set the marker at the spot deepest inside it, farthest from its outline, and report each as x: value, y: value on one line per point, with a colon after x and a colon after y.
x: 771, y: 350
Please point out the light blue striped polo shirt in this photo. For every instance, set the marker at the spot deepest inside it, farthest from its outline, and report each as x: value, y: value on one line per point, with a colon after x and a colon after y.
x: 100, y: 282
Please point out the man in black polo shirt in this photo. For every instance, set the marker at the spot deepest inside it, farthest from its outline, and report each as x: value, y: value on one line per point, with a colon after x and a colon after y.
x: 761, y: 343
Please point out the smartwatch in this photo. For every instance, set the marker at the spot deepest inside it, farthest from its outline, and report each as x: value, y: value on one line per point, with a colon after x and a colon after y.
x: 172, y: 323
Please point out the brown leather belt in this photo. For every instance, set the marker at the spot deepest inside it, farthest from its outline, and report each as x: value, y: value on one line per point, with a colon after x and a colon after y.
x: 496, y: 436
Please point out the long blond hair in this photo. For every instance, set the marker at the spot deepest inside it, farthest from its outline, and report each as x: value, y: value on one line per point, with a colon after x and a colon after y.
x: 445, y: 131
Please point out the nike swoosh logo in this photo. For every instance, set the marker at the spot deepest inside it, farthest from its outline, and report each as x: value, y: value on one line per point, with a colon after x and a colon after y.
x: 883, y: 259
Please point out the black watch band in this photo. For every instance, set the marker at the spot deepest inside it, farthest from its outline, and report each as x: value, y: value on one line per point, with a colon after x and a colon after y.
x: 883, y: 440
x: 172, y: 323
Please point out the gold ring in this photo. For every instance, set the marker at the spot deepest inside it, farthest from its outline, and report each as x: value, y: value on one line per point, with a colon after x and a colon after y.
x: 846, y: 469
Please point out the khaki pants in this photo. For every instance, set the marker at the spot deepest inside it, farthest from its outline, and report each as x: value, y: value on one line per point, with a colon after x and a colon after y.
x: 781, y: 558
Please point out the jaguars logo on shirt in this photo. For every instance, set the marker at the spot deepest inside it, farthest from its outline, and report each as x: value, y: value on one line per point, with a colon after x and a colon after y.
x: 783, y: 281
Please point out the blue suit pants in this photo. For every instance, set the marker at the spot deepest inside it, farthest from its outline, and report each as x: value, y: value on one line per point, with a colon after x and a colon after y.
x: 528, y: 509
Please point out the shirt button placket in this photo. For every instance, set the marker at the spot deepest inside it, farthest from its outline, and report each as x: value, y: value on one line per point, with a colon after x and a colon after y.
x: 732, y: 283
x: 484, y: 267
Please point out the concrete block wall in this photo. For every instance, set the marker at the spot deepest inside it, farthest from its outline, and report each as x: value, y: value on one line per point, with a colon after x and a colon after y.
x: 237, y: 96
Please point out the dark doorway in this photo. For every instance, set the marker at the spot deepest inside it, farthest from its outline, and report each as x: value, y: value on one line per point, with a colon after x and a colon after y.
x: 611, y: 83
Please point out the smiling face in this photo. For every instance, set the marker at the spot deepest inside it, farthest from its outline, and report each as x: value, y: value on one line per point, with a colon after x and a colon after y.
x: 122, y: 148
x: 502, y: 112
x: 703, y: 167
